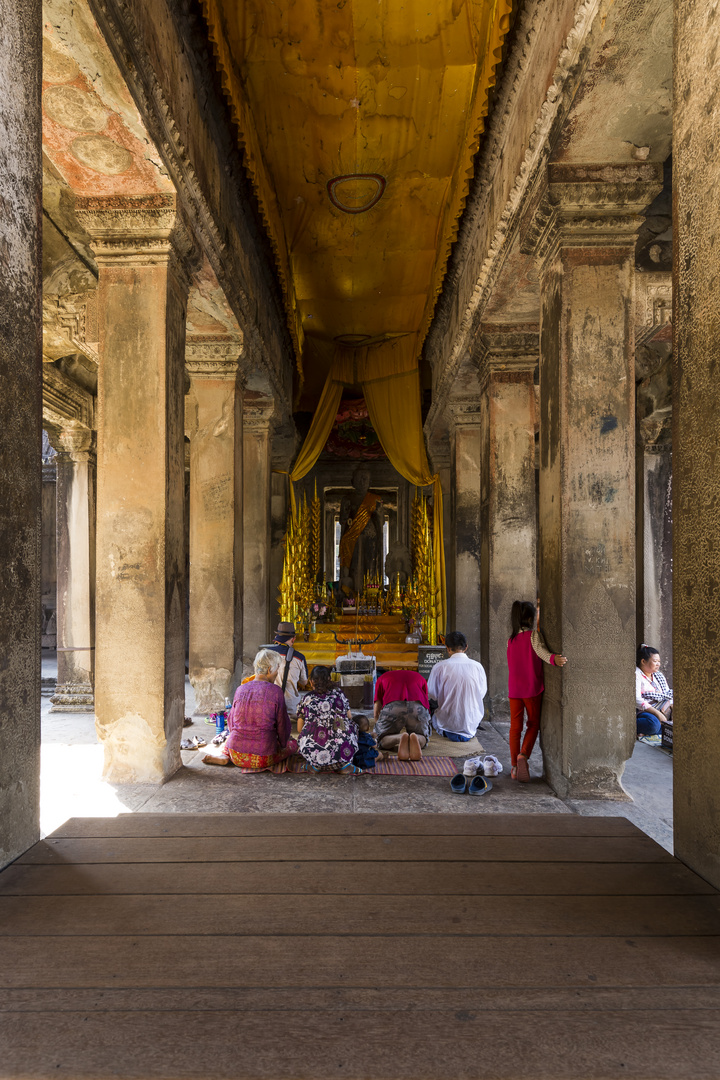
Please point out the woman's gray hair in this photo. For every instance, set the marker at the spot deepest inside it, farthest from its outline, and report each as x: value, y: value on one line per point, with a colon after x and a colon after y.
x: 266, y: 662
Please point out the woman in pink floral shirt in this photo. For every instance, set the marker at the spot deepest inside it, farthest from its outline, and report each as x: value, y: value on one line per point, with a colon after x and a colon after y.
x: 259, y: 725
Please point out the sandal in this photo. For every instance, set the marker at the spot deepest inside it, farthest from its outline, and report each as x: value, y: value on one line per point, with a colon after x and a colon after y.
x: 523, y: 773
x: 192, y: 744
x: 513, y: 772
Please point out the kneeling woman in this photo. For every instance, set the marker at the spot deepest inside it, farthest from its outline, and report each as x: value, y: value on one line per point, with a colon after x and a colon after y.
x: 328, y: 736
x: 259, y: 725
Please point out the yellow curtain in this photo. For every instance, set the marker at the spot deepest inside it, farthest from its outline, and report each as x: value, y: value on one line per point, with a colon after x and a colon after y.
x: 320, y: 428
x: 393, y: 402
x: 389, y: 377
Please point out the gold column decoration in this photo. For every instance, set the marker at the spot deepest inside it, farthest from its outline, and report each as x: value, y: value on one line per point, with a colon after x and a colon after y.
x: 415, y: 512
x: 296, y: 587
x: 315, y: 539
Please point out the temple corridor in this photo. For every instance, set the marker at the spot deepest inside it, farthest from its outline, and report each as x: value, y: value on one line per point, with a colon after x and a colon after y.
x: 350, y: 349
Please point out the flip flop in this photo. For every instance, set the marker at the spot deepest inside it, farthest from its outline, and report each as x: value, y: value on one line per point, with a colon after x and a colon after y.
x: 523, y: 773
x: 458, y: 784
x: 479, y: 785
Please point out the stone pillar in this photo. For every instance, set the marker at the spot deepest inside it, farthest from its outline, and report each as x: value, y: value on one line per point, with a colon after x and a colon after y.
x: 141, y: 247
x: 75, y: 537
x: 213, y: 412
x: 655, y: 569
x: 466, y: 456
x: 696, y: 436
x: 508, y: 518
x: 20, y: 425
x: 587, y: 231
x: 258, y: 609
x: 279, y: 505
x: 442, y: 465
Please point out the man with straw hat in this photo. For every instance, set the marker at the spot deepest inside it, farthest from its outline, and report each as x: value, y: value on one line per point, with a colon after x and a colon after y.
x: 292, y: 675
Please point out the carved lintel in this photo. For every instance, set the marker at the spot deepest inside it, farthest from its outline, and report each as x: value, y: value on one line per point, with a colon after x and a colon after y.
x: 464, y: 413
x: 214, y: 359
x: 258, y: 416
x: 507, y: 349
x: 64, y: 400
x: 590, y: 206
x: 140, y: 229
x: 71, y: 440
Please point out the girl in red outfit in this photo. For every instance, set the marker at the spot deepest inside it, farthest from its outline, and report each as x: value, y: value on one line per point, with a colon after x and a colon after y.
x: 526, y: 651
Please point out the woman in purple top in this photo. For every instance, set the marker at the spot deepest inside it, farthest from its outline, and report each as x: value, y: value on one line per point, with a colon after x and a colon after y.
x: 526, y: 651
x: 259, y: 725
x: 328, y: 736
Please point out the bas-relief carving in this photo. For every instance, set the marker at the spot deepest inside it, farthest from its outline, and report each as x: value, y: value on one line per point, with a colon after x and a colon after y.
x: 64, y: 400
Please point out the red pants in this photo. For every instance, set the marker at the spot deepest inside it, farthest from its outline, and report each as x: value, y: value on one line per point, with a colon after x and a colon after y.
x: 518, y: 706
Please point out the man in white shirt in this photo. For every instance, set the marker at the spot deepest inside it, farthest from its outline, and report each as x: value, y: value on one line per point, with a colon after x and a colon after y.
x: 459, y: 685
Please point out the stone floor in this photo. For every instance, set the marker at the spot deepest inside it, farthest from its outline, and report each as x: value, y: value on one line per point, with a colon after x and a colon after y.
x: 72, y: 784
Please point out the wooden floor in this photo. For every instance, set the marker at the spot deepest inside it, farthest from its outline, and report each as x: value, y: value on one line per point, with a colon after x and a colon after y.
x: 356, y: 946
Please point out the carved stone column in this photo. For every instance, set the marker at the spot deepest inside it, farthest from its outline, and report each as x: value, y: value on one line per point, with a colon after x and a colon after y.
x: 508, y: 520
x: 141, y: 249
x: 213, y: 421
x: 20, y: 424
x: 75, y: 561
x: 466, y: 456
x: 696, y: 436
x: 586, y: 229
x: 258, y: 609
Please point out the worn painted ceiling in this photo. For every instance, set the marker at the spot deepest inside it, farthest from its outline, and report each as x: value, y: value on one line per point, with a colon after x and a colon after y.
x: 359, y: 120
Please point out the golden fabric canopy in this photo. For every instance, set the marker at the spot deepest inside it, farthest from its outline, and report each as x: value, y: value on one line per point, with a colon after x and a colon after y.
x: 359, y: 120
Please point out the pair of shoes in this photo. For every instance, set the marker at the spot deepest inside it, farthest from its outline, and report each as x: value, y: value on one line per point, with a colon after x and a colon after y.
x: 192, y: 744
x: 473, y: 765
x: 523, y: 772
x: 492, y: 766
x: 409, y: 748
x: 188, y: 721
x: 478, y: 785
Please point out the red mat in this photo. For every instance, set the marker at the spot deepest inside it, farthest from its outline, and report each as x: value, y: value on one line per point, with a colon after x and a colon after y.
x: 429, y: 766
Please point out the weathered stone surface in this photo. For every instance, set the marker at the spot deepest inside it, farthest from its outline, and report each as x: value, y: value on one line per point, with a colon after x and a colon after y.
x: 75, y: 538
x: 587, y: 471
x: 213, y: 412
x: 508, y: 517
x: 258, y: 610
x: 140, y: 245
x: 20, y: 425
x: 467, y: 451
x: 696, y: 437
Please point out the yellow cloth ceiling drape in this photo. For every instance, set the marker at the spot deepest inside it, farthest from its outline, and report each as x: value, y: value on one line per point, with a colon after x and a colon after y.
x: 359, y: 121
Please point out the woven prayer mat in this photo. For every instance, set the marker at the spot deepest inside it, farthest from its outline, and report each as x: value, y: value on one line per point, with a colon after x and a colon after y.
x: 445, y: 748
x: 431, y: 766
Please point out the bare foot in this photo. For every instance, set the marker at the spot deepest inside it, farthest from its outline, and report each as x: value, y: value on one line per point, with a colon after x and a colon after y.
x: 210, y: 759
x: 403, y: 752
